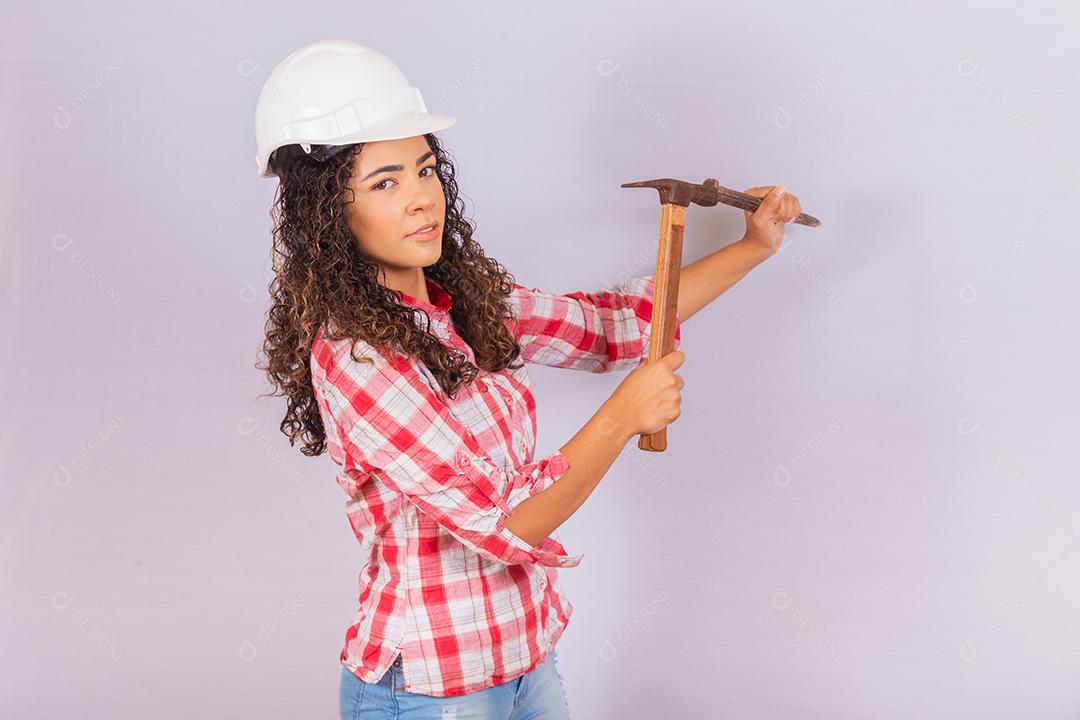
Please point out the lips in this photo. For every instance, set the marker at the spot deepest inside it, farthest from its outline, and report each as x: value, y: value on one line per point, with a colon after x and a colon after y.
x: 430, y: 227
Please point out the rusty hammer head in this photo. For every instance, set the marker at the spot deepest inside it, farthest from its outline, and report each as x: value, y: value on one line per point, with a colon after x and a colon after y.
x: 708, y: 193
x: 681, y: 192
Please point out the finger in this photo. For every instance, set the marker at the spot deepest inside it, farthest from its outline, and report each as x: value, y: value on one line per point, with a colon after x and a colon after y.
x: 756, y: 192
x: 791, y: 208
x: 674, y: 359
x: 770, y: 204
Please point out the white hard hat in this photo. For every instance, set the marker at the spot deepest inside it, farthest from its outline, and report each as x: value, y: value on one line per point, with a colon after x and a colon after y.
x: 336, y: 93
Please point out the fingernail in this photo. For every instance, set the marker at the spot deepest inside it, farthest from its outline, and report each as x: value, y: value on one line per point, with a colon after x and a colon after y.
x: 779, y: 190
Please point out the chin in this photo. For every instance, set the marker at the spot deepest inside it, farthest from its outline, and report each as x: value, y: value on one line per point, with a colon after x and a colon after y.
x: 430, y: 258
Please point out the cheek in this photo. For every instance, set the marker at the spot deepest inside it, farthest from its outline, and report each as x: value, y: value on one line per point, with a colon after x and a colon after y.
x: 374, y: 227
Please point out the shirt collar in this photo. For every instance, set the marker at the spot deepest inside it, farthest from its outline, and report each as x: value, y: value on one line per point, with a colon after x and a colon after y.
x: 440, y: 299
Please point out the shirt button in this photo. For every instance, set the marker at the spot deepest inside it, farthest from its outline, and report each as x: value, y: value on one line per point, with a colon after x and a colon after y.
x: 463, y: 460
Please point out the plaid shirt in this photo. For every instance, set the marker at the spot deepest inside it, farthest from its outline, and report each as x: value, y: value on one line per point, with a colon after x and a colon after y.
x: 431, y: 479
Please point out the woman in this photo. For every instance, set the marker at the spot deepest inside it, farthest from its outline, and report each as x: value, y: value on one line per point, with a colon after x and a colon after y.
x: 400, y: 348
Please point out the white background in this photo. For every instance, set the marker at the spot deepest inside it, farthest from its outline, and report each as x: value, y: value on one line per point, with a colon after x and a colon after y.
x: 868, y: 506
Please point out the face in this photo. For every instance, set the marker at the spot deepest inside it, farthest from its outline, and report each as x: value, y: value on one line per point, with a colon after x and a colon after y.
x: 397, y: 192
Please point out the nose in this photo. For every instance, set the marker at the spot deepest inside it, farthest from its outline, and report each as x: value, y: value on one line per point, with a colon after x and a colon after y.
x: 423, y: 194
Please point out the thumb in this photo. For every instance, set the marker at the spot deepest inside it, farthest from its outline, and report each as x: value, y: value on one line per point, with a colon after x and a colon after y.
x: 770, y: 204
x: 674, y: 359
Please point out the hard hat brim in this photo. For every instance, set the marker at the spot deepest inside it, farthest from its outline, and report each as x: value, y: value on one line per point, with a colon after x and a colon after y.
x: 396, y: 127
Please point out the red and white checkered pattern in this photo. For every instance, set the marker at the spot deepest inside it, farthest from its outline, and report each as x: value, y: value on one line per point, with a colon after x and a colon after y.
x: 431, y: 480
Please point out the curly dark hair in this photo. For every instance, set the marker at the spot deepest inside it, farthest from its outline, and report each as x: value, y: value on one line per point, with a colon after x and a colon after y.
x: 321, y: 278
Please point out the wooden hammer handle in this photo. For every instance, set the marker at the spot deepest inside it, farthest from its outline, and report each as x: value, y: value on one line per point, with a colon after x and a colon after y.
x: 665, y: 301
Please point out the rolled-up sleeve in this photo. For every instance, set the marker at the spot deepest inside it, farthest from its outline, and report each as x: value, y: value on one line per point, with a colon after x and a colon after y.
x: 391, y: 423
x: 597, y: 332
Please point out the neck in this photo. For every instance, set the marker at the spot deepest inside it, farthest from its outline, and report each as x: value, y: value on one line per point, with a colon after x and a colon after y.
x: 408, y: 280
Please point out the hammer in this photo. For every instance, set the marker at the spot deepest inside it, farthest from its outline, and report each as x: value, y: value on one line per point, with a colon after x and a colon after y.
x: 675, y: 196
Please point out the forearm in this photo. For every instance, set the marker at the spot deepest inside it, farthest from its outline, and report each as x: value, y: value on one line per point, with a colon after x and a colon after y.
x: 704, y: 280
x: 591, y: 453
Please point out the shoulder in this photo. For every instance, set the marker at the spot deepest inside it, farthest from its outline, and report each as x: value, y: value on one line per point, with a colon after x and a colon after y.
x: 520, y: 293
x: 523, y: 297
x: 520, y: 302
x: 354, y: 357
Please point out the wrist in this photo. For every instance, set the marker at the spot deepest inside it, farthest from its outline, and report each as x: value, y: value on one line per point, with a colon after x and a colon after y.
x: 611, y: 422
x: 756, y: 250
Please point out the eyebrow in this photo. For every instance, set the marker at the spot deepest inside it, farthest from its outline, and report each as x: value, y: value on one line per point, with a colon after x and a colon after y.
x: 397, y: 168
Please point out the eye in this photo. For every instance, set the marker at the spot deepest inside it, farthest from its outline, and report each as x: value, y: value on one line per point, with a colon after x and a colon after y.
x: 379, y: 185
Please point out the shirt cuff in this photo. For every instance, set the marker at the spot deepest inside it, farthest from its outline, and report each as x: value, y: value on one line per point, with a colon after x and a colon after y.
x: 541, y: 476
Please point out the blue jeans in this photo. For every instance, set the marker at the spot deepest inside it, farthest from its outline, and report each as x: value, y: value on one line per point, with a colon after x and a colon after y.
x: 538, y: 693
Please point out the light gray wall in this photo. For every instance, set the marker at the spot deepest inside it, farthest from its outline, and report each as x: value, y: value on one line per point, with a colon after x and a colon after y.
x: 868, y: 507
